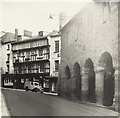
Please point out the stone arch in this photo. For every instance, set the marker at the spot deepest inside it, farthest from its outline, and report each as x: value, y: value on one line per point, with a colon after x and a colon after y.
x: 89, y: 68
x: 77, y: 77
x: 66, y: 82
x: 67, y: 72
x: 106, y: 63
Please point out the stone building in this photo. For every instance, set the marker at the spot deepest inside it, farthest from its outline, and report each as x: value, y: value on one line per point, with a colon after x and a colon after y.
x: 89, y: 55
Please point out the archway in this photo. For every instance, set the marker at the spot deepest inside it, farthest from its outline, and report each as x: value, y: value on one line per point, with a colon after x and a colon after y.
x: 105, y: 61
x: 67, y: 83
x: 77, y: 77
x: 67, y: 73
x: 89, y: 67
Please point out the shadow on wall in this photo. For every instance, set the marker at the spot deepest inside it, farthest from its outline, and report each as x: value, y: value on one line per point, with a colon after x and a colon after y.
x: 105, y: 61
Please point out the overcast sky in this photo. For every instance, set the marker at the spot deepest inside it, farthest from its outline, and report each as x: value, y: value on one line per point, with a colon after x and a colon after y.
x: 34, y: 16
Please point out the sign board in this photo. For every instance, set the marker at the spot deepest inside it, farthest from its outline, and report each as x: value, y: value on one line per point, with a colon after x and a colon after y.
x: 27, y: 33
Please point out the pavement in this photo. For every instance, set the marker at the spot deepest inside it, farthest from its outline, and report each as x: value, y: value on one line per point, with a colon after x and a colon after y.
x: 4, y: 108
x: 22, y: 103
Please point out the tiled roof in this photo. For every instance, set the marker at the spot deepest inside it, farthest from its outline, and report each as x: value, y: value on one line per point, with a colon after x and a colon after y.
x: 8, y: 37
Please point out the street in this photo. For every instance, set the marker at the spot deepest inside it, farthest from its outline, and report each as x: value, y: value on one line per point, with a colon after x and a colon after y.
x: 22, y: 103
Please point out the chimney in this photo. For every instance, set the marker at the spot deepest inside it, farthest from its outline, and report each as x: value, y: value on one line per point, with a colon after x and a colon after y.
x: 62, y: 19
x: 16, y: 33
x: 40, y: 33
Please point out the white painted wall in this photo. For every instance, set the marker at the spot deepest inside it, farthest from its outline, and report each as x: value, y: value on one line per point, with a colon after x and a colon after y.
x: 4, y: 57
x: 53, y: 55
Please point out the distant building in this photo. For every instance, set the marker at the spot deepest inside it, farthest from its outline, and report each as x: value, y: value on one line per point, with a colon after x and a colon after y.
x: 7, y: 69
x: 34, y: 59
x: 89, y: 55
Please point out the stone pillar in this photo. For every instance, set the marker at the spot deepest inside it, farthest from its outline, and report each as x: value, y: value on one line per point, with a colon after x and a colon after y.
x: 115, y: 100
x: 84, y: 87
x: 99, y: 86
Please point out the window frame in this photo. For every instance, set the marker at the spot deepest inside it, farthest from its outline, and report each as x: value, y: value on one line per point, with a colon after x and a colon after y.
x: 56, y: 65
x: 56, y: 46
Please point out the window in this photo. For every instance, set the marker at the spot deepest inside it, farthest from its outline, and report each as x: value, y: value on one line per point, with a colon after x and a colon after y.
x: 33, y: 51
x: 41, y: 67
x: 27, y: 54
x: 8, y: 47
x: 56, y: 46
x: 41, y: 52
x: 8, y: 57
x: 18, y: 54
x: 8, y: 68
x: 105, y: 14
x: 56, y: 65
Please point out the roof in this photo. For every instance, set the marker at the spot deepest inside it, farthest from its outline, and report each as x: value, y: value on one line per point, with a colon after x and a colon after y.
x: 34, y: 38
x: 8, y: 37
x: 55, y: 33
x: 30, y: 39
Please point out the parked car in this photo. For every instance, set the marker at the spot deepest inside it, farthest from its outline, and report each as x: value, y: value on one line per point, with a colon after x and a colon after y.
x: 33, y: 86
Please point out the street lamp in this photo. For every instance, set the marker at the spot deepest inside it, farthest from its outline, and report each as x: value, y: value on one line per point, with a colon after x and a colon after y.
x: 61, y: 17
x: 50, y: 17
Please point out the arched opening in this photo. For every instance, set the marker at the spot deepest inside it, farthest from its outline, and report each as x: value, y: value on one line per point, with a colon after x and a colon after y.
x: 67, y: 72
x: 89, y: 67
x: 66, y: 85
x: 105, y: 61
x: 77, y: 77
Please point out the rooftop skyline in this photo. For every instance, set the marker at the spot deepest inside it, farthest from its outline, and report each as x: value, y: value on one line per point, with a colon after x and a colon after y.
x: 34, y: 16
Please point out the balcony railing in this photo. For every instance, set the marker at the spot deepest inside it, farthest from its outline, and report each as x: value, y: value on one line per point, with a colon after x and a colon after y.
x: 34, y: 70
x: 17, y: 61
x: 33, y: 59
x: 27, y: 59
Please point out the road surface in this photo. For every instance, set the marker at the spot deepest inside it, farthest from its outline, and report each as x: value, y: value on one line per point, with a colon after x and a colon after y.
x: 22, y: 103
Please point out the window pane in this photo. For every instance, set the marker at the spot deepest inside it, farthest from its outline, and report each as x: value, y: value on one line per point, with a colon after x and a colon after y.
x: 56, y: 65
x: 56, y: 46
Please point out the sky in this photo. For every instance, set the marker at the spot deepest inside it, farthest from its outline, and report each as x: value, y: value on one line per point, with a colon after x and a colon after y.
x: 34, y: 16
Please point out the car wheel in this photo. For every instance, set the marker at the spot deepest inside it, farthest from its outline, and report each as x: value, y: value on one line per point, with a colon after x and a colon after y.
x: 35, y: 90
x: 26, y: 88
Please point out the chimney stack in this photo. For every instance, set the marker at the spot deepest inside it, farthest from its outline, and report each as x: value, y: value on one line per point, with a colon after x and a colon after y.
x: 40, y: 33
x: 62, y: 19
x: 16, y: 33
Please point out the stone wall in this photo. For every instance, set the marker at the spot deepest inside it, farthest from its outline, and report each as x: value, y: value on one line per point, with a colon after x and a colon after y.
x: 92, y: 33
